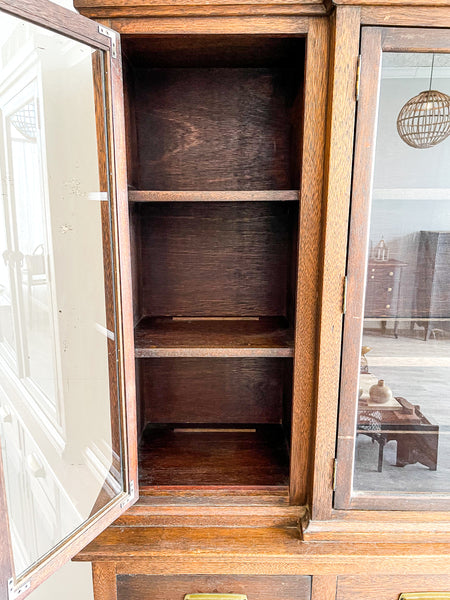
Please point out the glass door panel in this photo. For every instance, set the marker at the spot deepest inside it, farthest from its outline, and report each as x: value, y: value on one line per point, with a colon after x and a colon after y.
x: 400, y: 282
x: 61, y: 399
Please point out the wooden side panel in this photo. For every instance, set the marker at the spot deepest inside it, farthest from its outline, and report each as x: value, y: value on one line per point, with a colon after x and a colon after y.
x: 338, y: 169
x: 145, y: 587
x: 308, y: 256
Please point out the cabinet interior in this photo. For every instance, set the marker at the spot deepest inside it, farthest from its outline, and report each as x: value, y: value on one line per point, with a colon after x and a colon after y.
x: 214, y: 129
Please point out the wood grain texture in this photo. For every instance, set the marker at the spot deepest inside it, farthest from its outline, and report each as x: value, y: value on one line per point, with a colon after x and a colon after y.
x: 214, y: 390
x: 407, y: 16
x: 219, y: 259
x: 104, y: 581
x: 205, y: 458
x: 165, y: 337
x: 393, y: 3
x: 381, y: 587
x: 307, y: 276
x: 123, y: 269
x: 267, y: 496
x: 338, y: 172
x: 210, y: 25
x: 404, y: 527
x: 215, y: 129
x: 357, y: 259
x: 214, y: 196
x: 201, y: 515
x: 178, y: 550
x: 147, y: 587
x: 204, y: 10
x: 323, y: 587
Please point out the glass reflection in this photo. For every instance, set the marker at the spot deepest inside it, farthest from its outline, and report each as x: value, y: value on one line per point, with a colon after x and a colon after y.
x: 58, y: 382
x: 403, y: 441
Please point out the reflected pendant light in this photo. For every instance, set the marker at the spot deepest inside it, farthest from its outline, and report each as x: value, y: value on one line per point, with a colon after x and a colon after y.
x: 424, y: 121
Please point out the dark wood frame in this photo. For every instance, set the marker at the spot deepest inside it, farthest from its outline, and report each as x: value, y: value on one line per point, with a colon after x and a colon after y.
x: 79, y: 28
x: 374, y: 41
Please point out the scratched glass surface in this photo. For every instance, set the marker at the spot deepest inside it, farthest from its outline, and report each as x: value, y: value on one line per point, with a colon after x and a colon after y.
x: 58, y: 389
x: 403, y: 426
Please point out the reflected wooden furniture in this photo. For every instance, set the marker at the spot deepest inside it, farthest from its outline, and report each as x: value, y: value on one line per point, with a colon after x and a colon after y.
x: 383, y: 291
x: 417, y: 438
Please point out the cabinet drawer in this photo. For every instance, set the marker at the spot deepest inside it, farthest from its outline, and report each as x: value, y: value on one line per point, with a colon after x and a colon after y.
x: 152, y: 587
x: 388, y: 587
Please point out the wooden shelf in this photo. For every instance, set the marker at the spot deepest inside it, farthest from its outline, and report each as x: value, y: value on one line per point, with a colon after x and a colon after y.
x: 171, y: 337
x: 213, y: 196
x: 210, y: 457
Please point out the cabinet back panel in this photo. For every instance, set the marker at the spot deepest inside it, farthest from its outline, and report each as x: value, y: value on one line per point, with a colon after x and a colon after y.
x: 151, y: 587
x: 221, y: 259
x: 214, y: 390
x: 217, y: 128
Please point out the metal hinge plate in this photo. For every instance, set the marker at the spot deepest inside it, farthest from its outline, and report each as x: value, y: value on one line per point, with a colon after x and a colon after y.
x: 358, y: 78
x: 112, y: 36
x: 130, y: 496
x: 14, y: 593
x: 334, y: 474
x: 344, y: 295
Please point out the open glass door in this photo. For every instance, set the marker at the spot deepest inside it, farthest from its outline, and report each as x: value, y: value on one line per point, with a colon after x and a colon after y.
x: 68, y: 463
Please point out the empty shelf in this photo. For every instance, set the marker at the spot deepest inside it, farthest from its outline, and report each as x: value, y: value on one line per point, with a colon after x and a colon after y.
x: 167, y: 337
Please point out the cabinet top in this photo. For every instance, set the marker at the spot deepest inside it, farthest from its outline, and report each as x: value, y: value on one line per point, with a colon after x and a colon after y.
x: 116, y: 9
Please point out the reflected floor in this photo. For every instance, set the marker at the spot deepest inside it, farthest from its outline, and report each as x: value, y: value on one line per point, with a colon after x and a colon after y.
x: 420, y: 372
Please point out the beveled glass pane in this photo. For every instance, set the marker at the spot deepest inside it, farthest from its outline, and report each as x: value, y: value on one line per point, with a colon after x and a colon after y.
x: 59, y: 414
x: 403, y: 424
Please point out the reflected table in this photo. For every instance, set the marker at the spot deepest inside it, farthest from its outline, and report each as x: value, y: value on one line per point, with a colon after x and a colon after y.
x: 416, y: 436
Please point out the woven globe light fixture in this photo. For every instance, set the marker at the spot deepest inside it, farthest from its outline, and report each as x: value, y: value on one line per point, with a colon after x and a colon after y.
x: 424, y: 121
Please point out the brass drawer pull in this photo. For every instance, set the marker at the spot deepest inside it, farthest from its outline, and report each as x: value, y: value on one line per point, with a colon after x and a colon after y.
x: 215, y: 597
x: 426, y: 596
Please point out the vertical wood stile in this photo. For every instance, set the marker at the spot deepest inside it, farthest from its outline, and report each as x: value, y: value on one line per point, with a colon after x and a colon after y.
x: 315, y: 98
x: 338, y: 172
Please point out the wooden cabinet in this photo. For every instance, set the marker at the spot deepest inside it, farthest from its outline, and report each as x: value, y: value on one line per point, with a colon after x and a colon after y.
x: 250, y: 133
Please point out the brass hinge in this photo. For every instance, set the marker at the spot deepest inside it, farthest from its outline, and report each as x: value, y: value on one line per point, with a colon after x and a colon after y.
x: 344, y: 295
x: 358, y: 78
x: 13, y: 592
x: 334, y: 474
x: 112, y: 36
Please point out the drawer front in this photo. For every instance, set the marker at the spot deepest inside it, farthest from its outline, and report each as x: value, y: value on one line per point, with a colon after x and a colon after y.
x: 388, y: 587
x: 255, y: 587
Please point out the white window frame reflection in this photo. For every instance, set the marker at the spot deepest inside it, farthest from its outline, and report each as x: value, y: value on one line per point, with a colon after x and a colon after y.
x: 20, y: 87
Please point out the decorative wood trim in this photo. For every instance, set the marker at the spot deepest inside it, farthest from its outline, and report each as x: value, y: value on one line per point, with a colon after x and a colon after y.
x: 409, y: 16
x: 308, y: 256
x: 203, y: 10
x: 211, y: 25
x: 271, y: 551
x: 338, y: 171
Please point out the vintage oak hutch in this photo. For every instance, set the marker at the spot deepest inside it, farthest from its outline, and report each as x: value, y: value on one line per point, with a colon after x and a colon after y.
x: 193, y: 192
